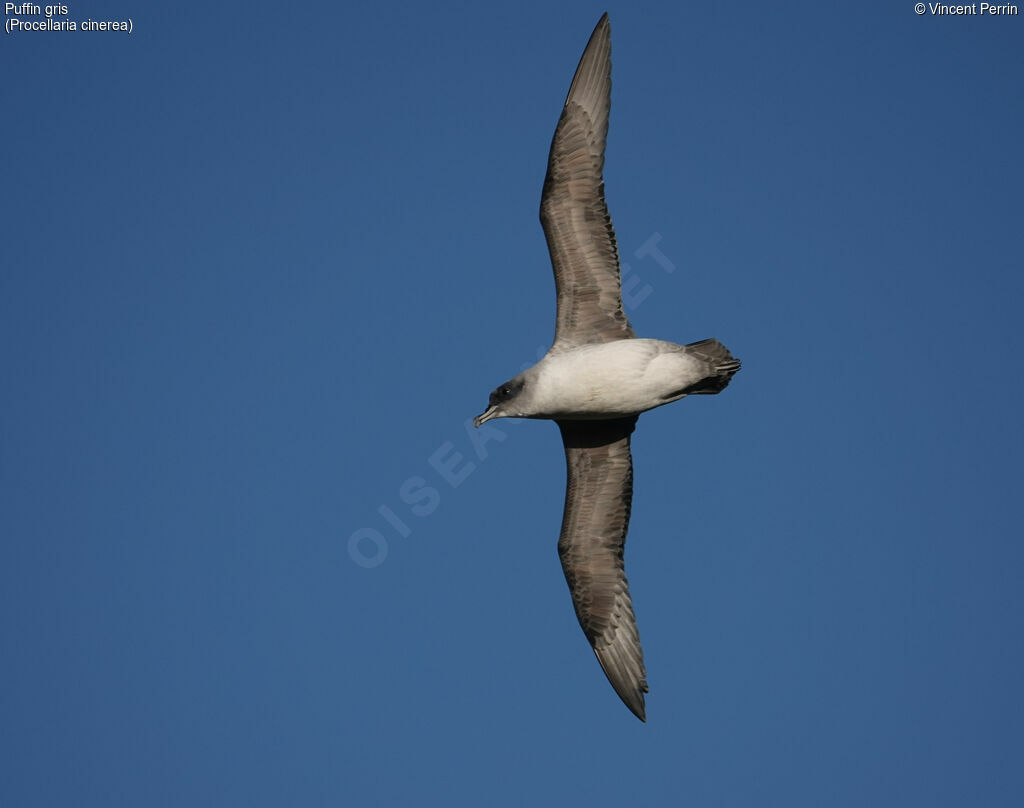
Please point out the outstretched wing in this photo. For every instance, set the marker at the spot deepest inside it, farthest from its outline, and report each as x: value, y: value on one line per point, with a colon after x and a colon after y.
x: 573, y: 212
x: 598, y: 494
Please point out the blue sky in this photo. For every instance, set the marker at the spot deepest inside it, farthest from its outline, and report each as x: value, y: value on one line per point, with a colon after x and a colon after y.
x: 260, y: 267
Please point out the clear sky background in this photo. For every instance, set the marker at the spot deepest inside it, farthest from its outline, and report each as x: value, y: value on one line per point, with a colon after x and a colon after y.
x: 262, y: 263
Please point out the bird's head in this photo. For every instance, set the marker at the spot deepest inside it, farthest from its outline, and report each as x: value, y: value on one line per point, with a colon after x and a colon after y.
x: 504, y: 401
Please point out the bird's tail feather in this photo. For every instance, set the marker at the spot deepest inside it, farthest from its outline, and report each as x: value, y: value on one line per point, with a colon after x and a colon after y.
x: 721, y: 366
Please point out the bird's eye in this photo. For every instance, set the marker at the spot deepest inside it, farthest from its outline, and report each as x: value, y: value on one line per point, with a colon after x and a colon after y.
x: 505, y: 390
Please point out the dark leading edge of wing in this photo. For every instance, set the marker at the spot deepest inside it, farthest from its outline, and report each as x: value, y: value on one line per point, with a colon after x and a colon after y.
x: 598, y: 494
x: 573, y: 211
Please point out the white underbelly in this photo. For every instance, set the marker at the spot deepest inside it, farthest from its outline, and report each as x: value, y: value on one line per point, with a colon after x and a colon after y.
x: 614, y: 379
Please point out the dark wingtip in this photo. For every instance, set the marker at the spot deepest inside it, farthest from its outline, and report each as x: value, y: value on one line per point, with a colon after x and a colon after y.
x: 603, y: 24
x: 632, y: 697
x: 636, y: 702
x: 629, y: 690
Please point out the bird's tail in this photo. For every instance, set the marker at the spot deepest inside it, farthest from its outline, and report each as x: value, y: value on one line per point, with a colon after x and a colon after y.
x: 721, y: 366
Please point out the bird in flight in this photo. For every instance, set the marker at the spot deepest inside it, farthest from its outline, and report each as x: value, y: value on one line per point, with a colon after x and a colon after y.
x: 598, y: 376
